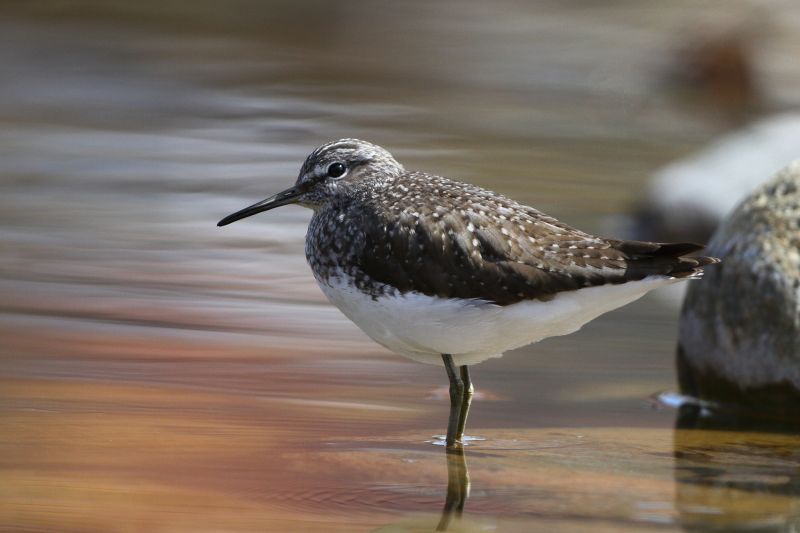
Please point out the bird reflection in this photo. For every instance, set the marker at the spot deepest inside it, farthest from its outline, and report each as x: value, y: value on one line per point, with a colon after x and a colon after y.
x: 457, y: 487
x: 736, y: 474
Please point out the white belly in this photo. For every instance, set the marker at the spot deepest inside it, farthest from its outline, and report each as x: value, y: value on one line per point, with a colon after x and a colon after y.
x: 424, y: 327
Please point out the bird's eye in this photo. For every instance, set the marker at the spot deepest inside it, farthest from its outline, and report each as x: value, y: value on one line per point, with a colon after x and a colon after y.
x: 336, y: 170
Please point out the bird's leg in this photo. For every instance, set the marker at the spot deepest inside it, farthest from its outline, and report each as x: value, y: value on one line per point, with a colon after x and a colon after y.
x: 456, y: 400
x: 466, y: 401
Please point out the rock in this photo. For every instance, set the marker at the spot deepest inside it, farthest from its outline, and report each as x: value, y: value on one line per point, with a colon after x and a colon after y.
x: 687, y: 199
x: 740, y: 326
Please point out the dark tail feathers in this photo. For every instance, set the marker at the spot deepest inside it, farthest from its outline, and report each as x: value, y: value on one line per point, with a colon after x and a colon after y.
x: 666, y: 259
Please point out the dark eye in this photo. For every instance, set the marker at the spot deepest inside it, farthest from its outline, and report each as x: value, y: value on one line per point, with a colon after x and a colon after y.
x: 336, y: 170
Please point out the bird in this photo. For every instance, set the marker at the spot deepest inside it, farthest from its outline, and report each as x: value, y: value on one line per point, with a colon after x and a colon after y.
x: 448, y: 273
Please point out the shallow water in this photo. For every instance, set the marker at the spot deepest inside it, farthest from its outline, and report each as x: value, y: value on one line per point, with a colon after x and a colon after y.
x: 159, y: 373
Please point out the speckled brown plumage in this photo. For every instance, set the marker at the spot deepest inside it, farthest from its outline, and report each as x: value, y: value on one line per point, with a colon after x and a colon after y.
x: 396, y: 231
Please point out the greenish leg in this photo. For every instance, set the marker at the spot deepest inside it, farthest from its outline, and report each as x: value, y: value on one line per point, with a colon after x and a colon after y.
x: 466, y: 401
x: 457, y: 389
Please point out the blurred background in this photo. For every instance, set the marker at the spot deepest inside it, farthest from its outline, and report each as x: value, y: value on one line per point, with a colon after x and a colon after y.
x: 159, y: 373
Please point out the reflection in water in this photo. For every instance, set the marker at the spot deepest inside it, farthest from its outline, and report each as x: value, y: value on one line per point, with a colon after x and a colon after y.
x: 736, y: 474
x: 457, y: 487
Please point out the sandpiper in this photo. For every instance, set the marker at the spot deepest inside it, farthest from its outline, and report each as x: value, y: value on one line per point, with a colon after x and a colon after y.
x: 449, y: 273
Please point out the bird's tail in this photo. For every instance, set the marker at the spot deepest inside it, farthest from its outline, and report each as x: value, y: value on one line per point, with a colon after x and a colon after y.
x: 665, y: 259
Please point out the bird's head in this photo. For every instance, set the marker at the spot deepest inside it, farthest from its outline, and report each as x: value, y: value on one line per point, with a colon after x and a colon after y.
x: 330, y: 172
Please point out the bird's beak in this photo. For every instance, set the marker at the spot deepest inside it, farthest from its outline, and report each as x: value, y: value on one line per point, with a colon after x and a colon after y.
x: 288, y: 196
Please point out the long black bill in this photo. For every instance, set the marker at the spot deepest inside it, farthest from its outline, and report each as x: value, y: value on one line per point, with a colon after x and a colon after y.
x: 282, y: 198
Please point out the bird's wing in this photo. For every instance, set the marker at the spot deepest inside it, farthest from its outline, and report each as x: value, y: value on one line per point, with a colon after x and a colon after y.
x: 504, y: 252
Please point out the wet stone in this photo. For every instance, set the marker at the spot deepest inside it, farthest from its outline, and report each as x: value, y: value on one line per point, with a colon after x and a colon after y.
x: 740, y: 327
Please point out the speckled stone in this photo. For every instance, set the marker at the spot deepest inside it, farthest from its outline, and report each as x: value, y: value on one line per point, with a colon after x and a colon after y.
x: 740, y: 328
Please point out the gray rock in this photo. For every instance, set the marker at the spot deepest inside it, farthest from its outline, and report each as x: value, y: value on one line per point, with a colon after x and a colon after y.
x: 689, y: 198
x: 740, y: 326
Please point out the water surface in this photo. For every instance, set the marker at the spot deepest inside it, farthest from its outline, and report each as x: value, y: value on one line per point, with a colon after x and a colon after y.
x: 159, y: 373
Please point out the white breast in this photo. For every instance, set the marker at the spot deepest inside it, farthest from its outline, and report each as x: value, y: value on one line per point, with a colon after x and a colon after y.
x: 424, y: 327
